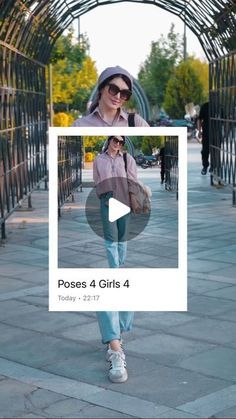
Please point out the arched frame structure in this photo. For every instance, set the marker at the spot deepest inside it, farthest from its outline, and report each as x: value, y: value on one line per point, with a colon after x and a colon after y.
x: 28, y: 31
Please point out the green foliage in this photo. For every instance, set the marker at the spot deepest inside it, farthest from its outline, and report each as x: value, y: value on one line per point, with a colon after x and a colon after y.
x: 159, y: 66
x: 183, y: 87
x: 150, y: 143
x: 66, y: 49
x: 73, y: 73
x: 137, y: 142
x: 93, y: 143
x: 201, y: 69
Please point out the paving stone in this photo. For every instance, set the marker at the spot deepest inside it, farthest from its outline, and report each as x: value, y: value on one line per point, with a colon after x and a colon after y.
x: 166, y: 349
x: 170, y: 386
x: 212, y: 403
x: 227, y: 413
x: 227, y: 272
x: 36, y: 377
x: 11, y: 284
x: 199, y: 265
x: 127, y: 404
x: 40, y: 276
x: 153, y: 320
x: 88, y: 332
x: 226, y: 256
x: 215, y: 277
x: 209, y: 253
x: 218, y: 362
x: 208, y: 306
x: 153, y: 389
x: 209, y: 330
x: 228, y: 292
x: 19, y: 268
x: 72, y: 408
x: 177, y: 414
x: 36, y: 349
x: 228, y: 315
x: 38, y: 300
x: 202, y: 286
x: 95, y: 370
x: 13, y: 307
x: 23, y: 291
x: 13, y: 397
x: 103, y: 413
x: 48, y: 322
x: 31, y: 416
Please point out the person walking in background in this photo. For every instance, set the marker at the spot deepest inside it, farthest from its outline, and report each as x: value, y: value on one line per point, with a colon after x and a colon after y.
x: 203, y: 128
x: 162, y: 157
x: 115, y: 86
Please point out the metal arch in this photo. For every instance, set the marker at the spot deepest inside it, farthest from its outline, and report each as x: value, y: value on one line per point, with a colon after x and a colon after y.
x: 28, y: 31
x: 33, y: 27
x: 139, y: 95
x: 130, y: 146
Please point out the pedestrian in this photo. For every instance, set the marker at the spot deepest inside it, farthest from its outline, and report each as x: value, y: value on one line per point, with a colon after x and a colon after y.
x: 112, y: 180
x: 162, y: 158
x: 114, y: 88
x: 203, y: 128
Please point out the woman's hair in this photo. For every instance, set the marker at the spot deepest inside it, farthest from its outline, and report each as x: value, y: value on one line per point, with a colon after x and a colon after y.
x: 97, y: 98
x: 105, y: 147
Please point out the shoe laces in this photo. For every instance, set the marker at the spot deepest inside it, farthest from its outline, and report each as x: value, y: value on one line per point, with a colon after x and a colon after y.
x: 117, y: 360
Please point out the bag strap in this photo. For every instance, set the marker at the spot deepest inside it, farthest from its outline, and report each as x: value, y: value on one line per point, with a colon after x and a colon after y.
x: 125, y: 161
x: 131, y: 122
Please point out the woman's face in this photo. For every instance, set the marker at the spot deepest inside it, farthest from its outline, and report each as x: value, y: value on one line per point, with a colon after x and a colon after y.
x: 115, y: 144
x: 111, y: 96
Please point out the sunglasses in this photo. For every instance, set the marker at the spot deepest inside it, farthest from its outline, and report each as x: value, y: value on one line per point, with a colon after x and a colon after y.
x: 113, y: 89
x: 116, y: 141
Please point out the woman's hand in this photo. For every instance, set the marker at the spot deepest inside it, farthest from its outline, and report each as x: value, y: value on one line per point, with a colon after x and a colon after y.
x: 135, y: 207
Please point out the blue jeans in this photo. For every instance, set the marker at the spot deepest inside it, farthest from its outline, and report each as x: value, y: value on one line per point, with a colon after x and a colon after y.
x: 113, y: 323
x: 115, y: 235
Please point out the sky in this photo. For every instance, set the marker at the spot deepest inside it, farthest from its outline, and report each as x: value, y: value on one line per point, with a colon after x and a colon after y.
x: 121, y: 34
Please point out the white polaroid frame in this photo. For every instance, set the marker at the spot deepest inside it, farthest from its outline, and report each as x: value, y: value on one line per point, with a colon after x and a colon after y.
x: 154, y: 289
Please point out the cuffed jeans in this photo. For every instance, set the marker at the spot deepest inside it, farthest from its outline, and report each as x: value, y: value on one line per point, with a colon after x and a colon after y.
x: 113, y: 323
x: 115, y: 235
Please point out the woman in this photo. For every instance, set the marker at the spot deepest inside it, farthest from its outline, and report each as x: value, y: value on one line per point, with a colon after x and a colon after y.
x: 115, y: 86
x: 112, y: 179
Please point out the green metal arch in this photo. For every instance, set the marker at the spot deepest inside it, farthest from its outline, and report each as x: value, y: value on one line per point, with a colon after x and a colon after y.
x: 32, y: 27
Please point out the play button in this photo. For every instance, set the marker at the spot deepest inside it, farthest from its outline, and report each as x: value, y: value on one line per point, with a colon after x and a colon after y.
x: 110, y: 200
x: 116, y: 209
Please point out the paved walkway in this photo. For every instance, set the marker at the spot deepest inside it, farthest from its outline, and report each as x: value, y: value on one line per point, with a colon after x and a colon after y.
x: 181, y: 365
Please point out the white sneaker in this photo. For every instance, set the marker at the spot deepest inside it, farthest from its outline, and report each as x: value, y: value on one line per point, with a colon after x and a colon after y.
x: 118, y: 372
x: 109, y: 350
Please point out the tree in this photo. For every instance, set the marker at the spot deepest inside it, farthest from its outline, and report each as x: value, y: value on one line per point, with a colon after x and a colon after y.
x: 202, y: 70
x: 74, y: 74
x: 159, y: 66
x: 150, y: 143
x: 183, y: 87
x: 85, y: 80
